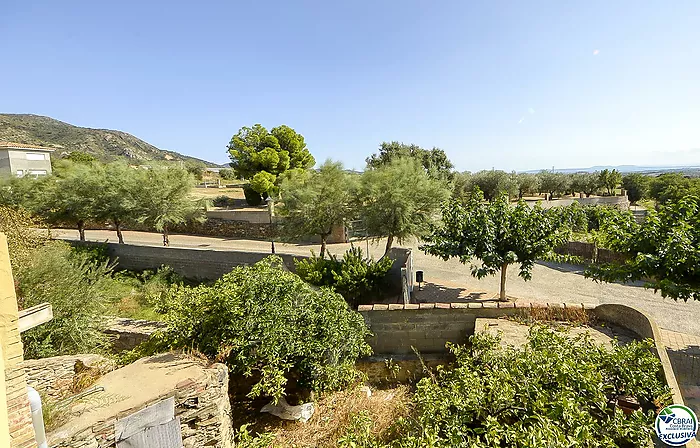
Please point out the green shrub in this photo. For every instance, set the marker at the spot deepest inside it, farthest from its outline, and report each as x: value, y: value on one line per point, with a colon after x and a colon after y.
x: 78, y: 290
x: 268, y: 324
x: 227, y: 174
x: 354, y: 277
x: 552, y: 392
x: 252, y: 197
x: 222, y: 201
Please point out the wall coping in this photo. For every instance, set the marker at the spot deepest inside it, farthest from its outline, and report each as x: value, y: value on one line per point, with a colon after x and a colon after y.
x: 472, y: 306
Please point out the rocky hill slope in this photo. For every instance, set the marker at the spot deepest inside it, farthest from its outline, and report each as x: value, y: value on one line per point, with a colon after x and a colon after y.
x: 105, y: 144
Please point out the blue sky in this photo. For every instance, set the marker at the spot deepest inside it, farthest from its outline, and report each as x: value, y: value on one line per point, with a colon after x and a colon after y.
x: 513, y: 85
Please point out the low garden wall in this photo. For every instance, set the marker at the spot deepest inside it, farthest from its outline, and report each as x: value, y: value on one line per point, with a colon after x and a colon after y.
x: 427, y: 327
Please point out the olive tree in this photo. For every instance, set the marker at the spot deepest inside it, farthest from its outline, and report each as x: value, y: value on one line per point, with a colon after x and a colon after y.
x: 316, y: 202
x: 434, y: 161
x: 399, y: 200
x: 664, y: 250
x: 498, y: 234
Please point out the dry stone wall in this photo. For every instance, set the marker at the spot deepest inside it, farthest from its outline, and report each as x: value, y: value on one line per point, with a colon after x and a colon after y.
x: 55, y: 378
x: 202, y: 406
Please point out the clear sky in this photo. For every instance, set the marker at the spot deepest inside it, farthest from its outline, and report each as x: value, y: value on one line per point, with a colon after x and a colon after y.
x: 513, y: 85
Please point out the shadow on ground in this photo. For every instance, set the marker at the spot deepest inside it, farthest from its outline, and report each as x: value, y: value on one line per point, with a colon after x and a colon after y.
x: 432, y: 292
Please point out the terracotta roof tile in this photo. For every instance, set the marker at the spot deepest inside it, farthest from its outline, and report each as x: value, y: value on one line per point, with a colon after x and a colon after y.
x: 22, y: 146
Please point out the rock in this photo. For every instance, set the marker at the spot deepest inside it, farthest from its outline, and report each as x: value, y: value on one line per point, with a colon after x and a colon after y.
x: 283, y: 410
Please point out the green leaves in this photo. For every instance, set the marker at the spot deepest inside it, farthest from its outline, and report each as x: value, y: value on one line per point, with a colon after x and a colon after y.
x: 498, y: 234
x: 664, y: 250
x: 399, y: 199
x: 267, y: 323
x: 552, y: 392
x: 354, y: 277
x: 253, y: 150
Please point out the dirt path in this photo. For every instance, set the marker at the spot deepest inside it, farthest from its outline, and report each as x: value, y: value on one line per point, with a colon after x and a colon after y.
x: 451, y: 281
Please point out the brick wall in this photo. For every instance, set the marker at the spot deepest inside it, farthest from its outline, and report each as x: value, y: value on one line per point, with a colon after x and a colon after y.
x: 190, y: 263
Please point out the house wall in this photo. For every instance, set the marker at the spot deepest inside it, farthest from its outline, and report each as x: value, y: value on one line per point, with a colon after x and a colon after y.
x: 12, y: 160
x: 18, y: 420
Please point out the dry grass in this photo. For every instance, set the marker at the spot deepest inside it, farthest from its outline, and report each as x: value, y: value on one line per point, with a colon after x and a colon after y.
x: 333, y: 417
x: 211, y: 193
x: 575, y: 316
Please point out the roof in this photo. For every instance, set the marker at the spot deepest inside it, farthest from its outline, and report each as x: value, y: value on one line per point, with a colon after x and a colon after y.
x: 12, y: 145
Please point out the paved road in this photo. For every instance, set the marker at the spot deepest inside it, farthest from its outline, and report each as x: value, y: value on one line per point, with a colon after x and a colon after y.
x: 451, y: 281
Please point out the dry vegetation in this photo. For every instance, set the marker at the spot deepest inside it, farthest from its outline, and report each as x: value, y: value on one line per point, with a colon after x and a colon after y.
x: 332, y: 418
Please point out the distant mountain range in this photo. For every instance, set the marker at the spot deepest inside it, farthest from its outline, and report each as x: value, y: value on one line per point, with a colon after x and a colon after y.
x: 689, y: 169
x: 105, y: 144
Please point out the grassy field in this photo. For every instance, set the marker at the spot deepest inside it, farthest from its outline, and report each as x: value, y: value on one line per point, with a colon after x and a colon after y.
x: 211, y: 193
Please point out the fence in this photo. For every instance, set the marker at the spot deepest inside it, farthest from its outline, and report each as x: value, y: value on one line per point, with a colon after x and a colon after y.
x: 590, y: 252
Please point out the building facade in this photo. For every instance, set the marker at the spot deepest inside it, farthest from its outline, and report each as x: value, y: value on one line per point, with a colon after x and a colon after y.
x: 18, y: 159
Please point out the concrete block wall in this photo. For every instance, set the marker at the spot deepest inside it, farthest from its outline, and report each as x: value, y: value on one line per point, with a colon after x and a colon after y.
x: 202, y: 264
x: 427, y: 327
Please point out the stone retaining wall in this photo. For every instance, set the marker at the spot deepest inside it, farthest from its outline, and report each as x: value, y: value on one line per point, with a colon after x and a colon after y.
x: 202, y: 406
x: 55, y: 378
x: 128, y: 333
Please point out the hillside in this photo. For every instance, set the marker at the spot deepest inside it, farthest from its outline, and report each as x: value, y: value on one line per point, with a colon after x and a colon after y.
x: 105, y: 144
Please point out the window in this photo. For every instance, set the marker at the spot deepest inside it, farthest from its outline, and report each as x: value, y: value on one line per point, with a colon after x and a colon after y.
x: 36, y: 156
x: 20, y: 173
x: 37, y: 172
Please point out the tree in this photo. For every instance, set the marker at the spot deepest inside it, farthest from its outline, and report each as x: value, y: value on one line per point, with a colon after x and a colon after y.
x: 164, y: 199
x: 263, y: 182
x: 117, y: 197
x: 610, y: 179
x: 494, y: 183
x: 70, y: 196
x: 196, y: 168
x: 552, y: 182
x: 399, y: 200
x: 81, y: 157
x: 434, y: 161
x: 315, y: 203
x: 253, y: 150
x: 664, y: 250
x: 672, y: 187
x: 528, y: 183
x: 636, y: 185
x: 227, y: 174
x: 587, y: 183
x: 498, y: 234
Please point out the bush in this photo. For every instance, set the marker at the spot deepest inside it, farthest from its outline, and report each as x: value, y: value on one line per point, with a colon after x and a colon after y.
x: 252, y: 197
x: 78, y: 290
x: 354, y: 277
x: 223, y: 201
x: 227, y: 174
x: 266, y: 323
x: 551, y: 392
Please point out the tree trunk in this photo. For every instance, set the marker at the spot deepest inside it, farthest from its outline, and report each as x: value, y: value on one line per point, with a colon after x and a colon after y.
x: 389, y: 242
x: 81, y: 230
x: 323, y: 245
x: 118, y: 227
x: 503, y: 297
x: 166, y: 236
